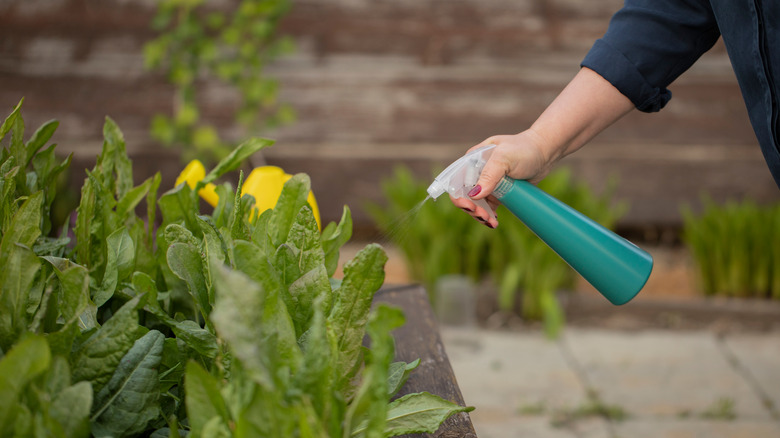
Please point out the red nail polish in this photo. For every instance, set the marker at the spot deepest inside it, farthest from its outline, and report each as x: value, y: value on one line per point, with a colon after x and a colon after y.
x: 467, y: 209
x: 475, y: 191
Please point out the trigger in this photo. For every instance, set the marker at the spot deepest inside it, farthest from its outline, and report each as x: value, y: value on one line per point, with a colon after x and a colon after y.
x: 483, y: 203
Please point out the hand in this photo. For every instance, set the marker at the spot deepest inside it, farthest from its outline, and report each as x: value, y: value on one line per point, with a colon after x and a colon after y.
x: 520, y: 156
x: 587, y: 106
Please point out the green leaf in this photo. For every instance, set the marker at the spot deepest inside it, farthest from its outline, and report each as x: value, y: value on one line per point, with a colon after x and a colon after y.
x: 199, y: 339
x: 368, y: 410
x: 241, y: 205
x: 260, y: 236
x: 98, y: 356
x: 237, y: 316
x: 305, y: 237
x: 363, y: 276
x: 179, y: 205
x: 317, y: 373
x: 73, y: 296
x: 17, y: 141
x: 130, y: 399
x: 39, y: 139
x: 304, y: 272
x: 280, y: 334
x: 236, y: 157
x: 185, y: 261
x: 334, y: 237
x: 18, y: 272
x: 8, y: 123
x: 132, y: 198
x: 119, y: 264
x: 71, y: 407
x: 213, y: 240
x: 294, y: 195
x: 398, y: 375
x: 151, y: 207
x: 24, y: 228
x: 26, y: 360
x: 196, y: 337
x: 311, y: 286
x: 204, y: 401
x: 418, y: 413
x: 84, y: 220
x: 113, y: 159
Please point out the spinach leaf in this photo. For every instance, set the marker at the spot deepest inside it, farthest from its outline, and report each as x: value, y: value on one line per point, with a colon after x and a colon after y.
x: 334, y: 237
x: 236, y: 157
x: 419, y: 413
x: 204, y: 401
x: 128, y: 402
x: 363, y: 276
x: 97, y: 357
x: 367, y: 413
x: 120, y: 261
x: 26, y: 360
x: 20, y: 266
x: 398, y: 375
x: 70, y: 409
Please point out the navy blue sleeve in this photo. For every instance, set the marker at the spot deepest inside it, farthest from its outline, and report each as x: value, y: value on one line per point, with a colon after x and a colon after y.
x: 649, y: 43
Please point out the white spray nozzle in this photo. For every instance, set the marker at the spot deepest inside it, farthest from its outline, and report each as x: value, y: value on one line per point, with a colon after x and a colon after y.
x: 461, y: 176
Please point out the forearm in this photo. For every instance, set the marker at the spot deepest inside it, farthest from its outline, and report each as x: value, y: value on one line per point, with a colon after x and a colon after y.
x: 587, y: 106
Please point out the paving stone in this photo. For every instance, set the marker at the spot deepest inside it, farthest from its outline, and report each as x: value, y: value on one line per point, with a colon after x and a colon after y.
x: 759, y: 354
x: 663, y: 374
x: 651, y: 428
x: 539, y: 427
x: 505, y: 374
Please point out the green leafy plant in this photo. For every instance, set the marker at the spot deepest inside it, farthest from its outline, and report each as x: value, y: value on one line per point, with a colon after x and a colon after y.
x: 721, y: 409
x: 438, y: 239
x: 233, y: 46
x: 229, y: 324
x: 736, y: 248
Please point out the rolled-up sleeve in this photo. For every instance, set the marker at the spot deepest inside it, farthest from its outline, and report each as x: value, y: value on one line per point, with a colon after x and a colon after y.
x: 649, y: 43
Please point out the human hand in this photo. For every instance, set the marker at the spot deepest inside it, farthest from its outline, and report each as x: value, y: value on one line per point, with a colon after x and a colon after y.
x: 519, y: 156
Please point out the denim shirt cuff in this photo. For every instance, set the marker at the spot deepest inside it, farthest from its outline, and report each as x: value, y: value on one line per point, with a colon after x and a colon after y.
x: 613, y: 66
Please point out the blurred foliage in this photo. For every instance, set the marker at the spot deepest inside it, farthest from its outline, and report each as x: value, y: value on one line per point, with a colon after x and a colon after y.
x: 736, y: 248
x: 234, y: 46
x: 438, y: 238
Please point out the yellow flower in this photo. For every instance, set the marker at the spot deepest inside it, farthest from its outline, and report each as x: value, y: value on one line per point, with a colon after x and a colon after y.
x: 263, y: 183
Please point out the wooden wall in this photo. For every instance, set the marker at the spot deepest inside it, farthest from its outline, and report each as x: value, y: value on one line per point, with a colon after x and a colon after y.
x: 377, y: 83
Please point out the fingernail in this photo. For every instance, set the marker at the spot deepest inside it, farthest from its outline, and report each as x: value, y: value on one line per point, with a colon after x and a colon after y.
x: 467, y: 209
x: 490, y: 225
x: 475, y: 191
x: 480, y: 219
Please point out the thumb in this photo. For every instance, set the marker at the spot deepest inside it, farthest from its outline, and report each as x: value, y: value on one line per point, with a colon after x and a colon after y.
x: 491, y: 174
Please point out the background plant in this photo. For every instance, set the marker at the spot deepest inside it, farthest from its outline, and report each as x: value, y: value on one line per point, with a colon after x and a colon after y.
x: 736, y: 248
x: 229, y: 324
x: 234, y: 46
x: 438, y: 239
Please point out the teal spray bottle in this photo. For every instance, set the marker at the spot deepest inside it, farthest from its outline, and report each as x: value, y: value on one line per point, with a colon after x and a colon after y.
x: 617, y: 268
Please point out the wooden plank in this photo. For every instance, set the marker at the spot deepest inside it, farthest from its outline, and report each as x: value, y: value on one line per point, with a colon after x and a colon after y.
x: 419, y: 338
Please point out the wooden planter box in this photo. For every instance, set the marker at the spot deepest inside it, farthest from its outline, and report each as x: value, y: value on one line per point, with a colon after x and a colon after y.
x: 419, y: 338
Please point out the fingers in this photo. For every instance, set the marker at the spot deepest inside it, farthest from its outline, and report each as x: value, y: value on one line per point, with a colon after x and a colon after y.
x: 477, y: 212
x: 494, y: 170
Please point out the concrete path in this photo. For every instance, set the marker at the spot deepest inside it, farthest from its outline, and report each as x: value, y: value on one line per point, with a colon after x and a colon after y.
x: 595, y: 383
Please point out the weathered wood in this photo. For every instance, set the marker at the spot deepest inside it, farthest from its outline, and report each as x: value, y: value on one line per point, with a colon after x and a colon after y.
x: 381, y: 83
x: 419, y: 338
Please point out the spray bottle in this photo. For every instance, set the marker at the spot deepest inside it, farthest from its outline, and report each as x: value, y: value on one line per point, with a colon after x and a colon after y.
x: 617, y: 268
